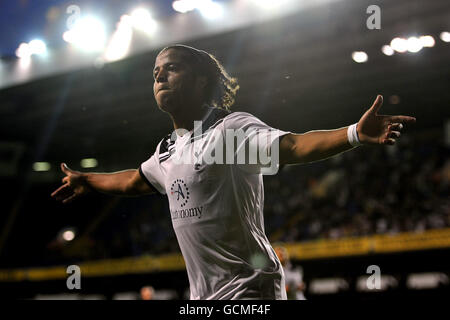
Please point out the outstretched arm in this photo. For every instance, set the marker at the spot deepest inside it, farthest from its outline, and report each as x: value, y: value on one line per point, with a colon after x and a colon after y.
x: 123, y: 183
x: 372, y: 128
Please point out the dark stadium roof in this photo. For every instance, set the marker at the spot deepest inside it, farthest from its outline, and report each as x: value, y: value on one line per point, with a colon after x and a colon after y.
x: 296, y: 73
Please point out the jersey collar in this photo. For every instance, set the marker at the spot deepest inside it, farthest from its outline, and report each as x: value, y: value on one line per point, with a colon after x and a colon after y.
x: 209, y: 121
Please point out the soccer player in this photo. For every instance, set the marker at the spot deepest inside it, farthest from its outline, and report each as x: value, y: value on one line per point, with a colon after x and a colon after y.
x: 217, y: 206
x: 293, y: 276
x: 147, y: 293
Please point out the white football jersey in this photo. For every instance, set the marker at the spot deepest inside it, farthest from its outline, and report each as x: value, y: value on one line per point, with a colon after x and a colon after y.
x: 217, y: 208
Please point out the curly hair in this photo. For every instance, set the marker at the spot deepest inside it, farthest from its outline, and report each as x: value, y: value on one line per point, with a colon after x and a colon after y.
x: 221, y: 88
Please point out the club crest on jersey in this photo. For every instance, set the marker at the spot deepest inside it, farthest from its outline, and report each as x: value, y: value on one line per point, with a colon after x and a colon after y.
x: 180, y: 191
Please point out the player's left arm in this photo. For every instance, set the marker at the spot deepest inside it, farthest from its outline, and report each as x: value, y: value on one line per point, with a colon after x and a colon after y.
x: 372, y: 128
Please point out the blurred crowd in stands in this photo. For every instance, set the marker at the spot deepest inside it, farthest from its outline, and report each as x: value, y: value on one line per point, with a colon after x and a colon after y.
x: 367, y: 191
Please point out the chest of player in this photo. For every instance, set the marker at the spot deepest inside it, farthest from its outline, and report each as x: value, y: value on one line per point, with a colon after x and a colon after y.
x: 189, y: 179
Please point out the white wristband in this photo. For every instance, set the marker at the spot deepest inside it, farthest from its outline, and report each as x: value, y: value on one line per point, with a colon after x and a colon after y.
x: 352, y: 135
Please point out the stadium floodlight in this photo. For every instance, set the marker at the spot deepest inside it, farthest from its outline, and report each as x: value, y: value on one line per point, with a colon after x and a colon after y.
x: 445, y: 36
x: 37, y: 46
x: 142, y: 20
x: 414, y: 44
x: 360, y: 56
x: 209, y: 9
x: 427, y: 41
x: 399, y: 45
x: 394, y: 99
x: 23, y: 51
x: 184, y: 6
x: 68, y: 235
x: 68, y: 36
x: 89, y: 163
x: 41, y: 166
x: 120, y: 42
x: 125, y: 21
x: 88, y: 34
x: 387, y: 50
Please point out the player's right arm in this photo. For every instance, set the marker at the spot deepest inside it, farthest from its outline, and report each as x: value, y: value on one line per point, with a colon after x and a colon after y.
x: 121, y: 183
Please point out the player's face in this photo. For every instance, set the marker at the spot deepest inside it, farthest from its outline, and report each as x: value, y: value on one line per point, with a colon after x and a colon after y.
x: 174, y: 83
x: 146, y: 294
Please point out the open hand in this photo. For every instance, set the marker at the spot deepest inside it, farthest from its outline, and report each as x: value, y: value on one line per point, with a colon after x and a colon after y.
x: 374, y: 128
x: 74, y: 185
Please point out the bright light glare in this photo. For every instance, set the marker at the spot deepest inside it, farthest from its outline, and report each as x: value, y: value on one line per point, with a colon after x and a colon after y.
x: 394, y: 99
x: 88, y: 34
x: 142, y: 20
x: 125, y: 20
x: 183, y: 6
x: 68, y: 36
x: 210, y: 9
x: 428, y: 280
x: 120, y: 42
x: 37, y: 47
x: 23, y: 51
x: 414, y: 44
x: 427, y: 41
x: 89, y: 163
x: 68, y: 235
x: 445, y: 36
x: 24, y: 63
x: 360, y: 56
x: 270, y: 4
x: 387, y: 50
x: 399, y: 45
x: 41, y: 166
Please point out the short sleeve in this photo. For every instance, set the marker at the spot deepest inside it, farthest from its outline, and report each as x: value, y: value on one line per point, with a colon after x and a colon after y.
x: 256, y: 144
x: 151, y: 172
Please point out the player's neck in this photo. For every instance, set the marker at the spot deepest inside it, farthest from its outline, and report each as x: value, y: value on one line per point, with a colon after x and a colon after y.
x: 185, y: 119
